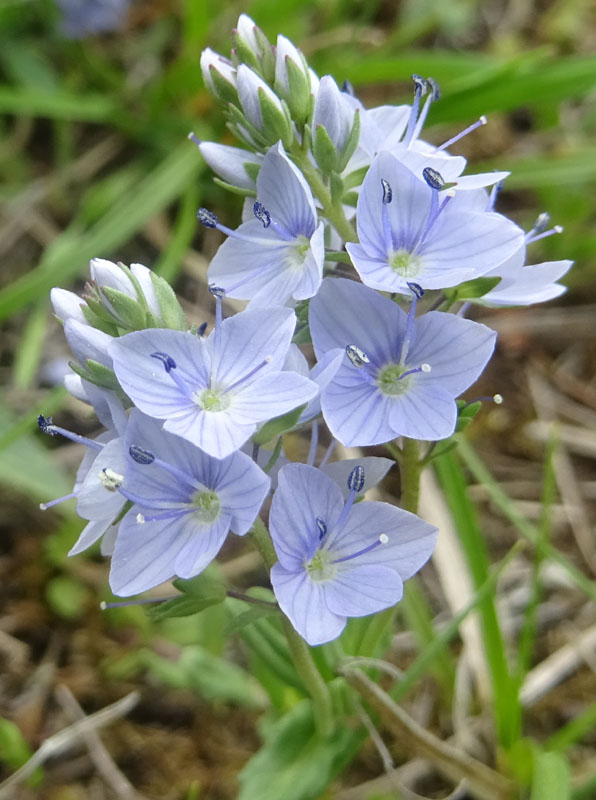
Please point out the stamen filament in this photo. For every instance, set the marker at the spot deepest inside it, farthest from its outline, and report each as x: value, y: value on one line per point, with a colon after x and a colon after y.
x: 49, y: 504
x: 171, y: 514
x: 410, y: 322
x: 164, y: 503
x: 434, y: 214
x: 248, y: 375
x: 421, y: 368
x: 531, y: 237
x: 47, y: 426
x: 181, y: 474
x: 478, y: 124
x: 314, y: 443
x: 420, y: 87
x: 264, y: 216
x: 383, y: 539
x: 329, y: 452
x: 170, y: 367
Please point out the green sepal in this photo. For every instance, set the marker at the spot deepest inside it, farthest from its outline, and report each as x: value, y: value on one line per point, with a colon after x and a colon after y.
x: 234, y: 189
x: 99, y: 322
x: 276, y: 123
x: 324, y: 151
x: 472, y: 289
x: 266, y: 57
x: 355, y: 178
x: 298, y: 96
x: 251, y: 169
x: 278, y: 425
x: 242, y: 54
x: 336, y: 185
x: 466, y: 413
x: 95, y: 304
x: 223, y: 90
x: 96, y: 373
x: 302, y: 335
x: 128, y: 312
x: 171, y: 313
x: 237, y: 123
x: 197, y: 594
x: 352, y: 143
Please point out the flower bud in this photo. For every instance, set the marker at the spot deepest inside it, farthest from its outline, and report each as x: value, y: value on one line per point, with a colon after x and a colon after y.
x: 253, y: 48
x: 67, y: 305
x: 293, y: 80
x: 335, y: 126
x: 262, y: 108
x: 219, y: 75
x: 236, y: 166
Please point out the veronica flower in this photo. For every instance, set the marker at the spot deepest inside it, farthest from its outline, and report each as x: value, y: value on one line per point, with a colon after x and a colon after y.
x: 400, y: 375
x: 414, y: 231
x: 81, y: 18
x: 185, y: 502
x: 214, y: 390
x: 98, y: 500
x: 278, y: 255
x: 337, y: 559
x: 522, y: 285
x: 235, y: 165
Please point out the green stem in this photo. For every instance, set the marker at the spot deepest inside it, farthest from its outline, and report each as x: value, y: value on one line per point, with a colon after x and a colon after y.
x: 410, y: 475
x: 333, y: 211
x: 303, y: 661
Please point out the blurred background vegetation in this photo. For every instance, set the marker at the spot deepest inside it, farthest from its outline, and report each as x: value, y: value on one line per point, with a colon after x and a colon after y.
x: 94, y: 162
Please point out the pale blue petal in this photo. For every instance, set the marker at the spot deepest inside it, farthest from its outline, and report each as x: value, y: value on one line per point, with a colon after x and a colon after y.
x: 93, y: 531
x: 356, y: 412
x: 203, y: 544
x: 410, y: 544
x: 272, y: 395
x: 532, y: 284
x: 361, y: 589
x: 303, y: 494
x: 228, y: 162
x: 217, y: 433
x: 344, y: 312
x: 247, y: 339
x: 94, y: 501
x: 286, y: 195
x: 87, y: 342
x: 425, y: 411
x: 303, y: 602
x: 456, y: 349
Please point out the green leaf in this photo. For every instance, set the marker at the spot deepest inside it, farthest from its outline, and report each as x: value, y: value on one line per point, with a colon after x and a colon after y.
x: 551, y: 778
x: 197, y: 594
x: 294, y: 763
x: 249, y: 617
x: 207, y: 675
x: 14, y: 750
x: 278, y: 425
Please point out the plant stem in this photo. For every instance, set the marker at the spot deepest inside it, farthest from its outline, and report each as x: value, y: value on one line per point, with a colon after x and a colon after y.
x: 333, y: 211
x: 410, y: 475
x: 303, y: 661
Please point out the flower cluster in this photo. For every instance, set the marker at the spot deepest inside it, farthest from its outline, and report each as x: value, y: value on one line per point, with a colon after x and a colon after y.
x: 358, y: 238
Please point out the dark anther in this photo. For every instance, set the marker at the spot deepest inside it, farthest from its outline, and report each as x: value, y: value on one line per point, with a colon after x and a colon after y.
x: 321, y: 525
x: 420, y: 85
x: 348, y: 88
x: 387, y: 191
x: 217, y: 291
x: 434, y: 88
x: 262, y: 214
x: 416, y: 289
x: 45, y: 425
x: 140, y: 456
x: 166, y: 360
x: 201, y: 329
x: 207, y: 218
x: 356, y: 479
x: 433, y: 178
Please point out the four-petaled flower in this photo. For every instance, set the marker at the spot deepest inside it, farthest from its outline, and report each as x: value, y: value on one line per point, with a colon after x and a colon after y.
x: 337, y: 559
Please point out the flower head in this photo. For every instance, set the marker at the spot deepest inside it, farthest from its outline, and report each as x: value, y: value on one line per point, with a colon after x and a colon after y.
x: 336, y: 559
x: 279, y: 254
x: 401, y: 374
x: 214, y: 390
x: 185, y: 502
x: 410, y: 230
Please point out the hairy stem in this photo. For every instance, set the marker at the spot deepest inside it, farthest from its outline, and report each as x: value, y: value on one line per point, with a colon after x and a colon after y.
x: 303, y: 661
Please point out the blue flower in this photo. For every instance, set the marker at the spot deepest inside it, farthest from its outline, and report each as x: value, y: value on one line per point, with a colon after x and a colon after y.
x: 101, y: 471
x: 185, y: 503
x: 336, y: 559
x: 410, y: 230
x: 80, y: 18
x: 214, y: 391
x: 401, y: 375
x: 280, y: 254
